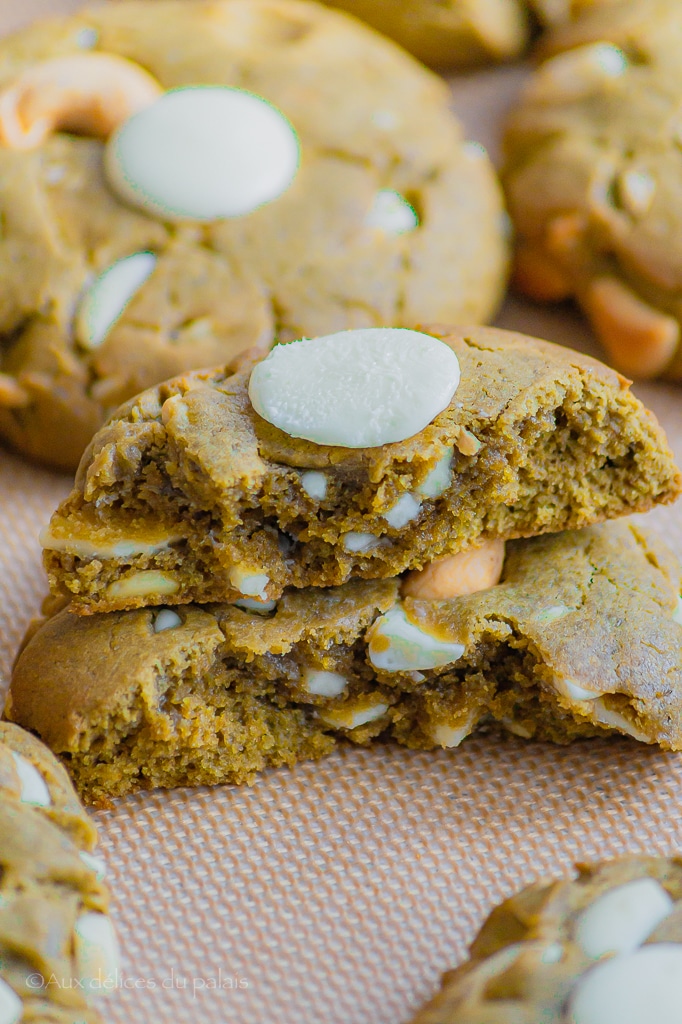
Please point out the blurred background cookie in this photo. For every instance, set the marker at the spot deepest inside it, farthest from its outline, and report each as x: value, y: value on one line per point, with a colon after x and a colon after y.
x: 604, y: 947
x: 593, y: 166
x: 147, y: 231
x: 58, y: 950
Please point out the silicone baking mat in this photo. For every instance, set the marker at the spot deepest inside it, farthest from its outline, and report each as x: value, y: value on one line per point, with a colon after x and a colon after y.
x: 338, y: 892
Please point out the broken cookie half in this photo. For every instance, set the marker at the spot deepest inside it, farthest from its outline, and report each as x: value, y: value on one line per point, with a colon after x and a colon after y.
x: 581, y: 636
x: 604, y: 947
x: 189, y: 494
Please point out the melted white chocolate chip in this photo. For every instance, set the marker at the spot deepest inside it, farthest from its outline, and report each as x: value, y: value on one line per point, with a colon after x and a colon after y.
x: 623, y: 918
x: 324, y: 684
x: 203, y: 153
x: 355, y: 389
x: 249, y: 583
x: 142, y: 584
x: 11, y: 1006
x: 314, y: 484
x: 111, y: 292
x: 398, y: 645
x: 353, y: 717
x: 403, y: 512
x: 440, y: 477
x: 166, y: 619
x: 644, y: 987
x: 96, y: 950
x: 392, y: 213
x: 33, y: 786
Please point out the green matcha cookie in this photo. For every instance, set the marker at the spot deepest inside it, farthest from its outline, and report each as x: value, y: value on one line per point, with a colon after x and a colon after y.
x: 604, y: 947
x: 593, y: 166
x: 58, y: 952
x: 151, y: 226
x: 188, y: 494
x: 574, y: 641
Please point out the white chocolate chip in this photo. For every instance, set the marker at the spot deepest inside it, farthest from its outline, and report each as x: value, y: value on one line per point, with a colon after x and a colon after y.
x: 387, y: 120
x: 87, y: 38
x: 248, y: 583
x: 203, y: 153
x: 356, y: 389
x: 677, y: 614
x: 403, y: 512
x: 644, y: 987
x: 623, y: 918
x: 353, y: 717
x: 359, y: 542
x: 556, y: 611
x: 95, y: 864
x: 96, y: 950
x: 106, y: 299
x: 249, y: 604
x: 392, y: 213
x: 166, y: 619
x: 573, y: 691
x: 143, y: 584
x: 398, y: 645
x: 515, y: 728
x: 325, y: 684
x: 553, y: 954
x: 576, y: 73
x: 33, y: 786
x: 315, y: 485
x: 450, y: 736
x: 636, y: 190
x: 82, y: 547
x: 614, y: 720
x: 440, y: 477
x: 11, y: 1006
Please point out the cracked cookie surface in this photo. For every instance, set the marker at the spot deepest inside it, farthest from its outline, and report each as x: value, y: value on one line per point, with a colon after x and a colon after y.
x: 188, y: 495
x: 580, y: 638
x: 319, y: 258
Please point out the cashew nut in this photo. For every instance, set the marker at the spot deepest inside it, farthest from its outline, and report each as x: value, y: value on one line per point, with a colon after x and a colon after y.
x: 640, y: 340
x: 564, y: 233
x: 457, y: 575
x: 86, y: 93
x: 536, y: 275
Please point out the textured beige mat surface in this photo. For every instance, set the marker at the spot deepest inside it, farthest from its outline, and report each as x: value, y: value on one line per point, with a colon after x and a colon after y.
x: 337, y: 893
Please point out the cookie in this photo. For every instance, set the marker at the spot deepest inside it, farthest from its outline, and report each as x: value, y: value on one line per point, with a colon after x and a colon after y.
x: 187, y: 494
x: 572, y: 642
x: 462, y: 33
x: 58, y: 952
x: 604, y: 947
x: 593, y: 165
x: 137, y: 245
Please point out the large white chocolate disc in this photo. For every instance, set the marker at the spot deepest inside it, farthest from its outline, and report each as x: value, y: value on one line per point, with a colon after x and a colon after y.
x: 641, y: 988
x: 11, y: 1006
x: 623, y: 918
x: 203, y: 153
x: 111, y: 292
x: 356, y: 389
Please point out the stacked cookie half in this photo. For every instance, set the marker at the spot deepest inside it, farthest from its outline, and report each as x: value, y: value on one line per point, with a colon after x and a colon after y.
x: 376, y: 533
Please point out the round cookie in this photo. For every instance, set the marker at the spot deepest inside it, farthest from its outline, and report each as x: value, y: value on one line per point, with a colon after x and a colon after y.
x: 463, y: 33
x: 593, y: 165
x: 390, y: 218
x: 603, y: 947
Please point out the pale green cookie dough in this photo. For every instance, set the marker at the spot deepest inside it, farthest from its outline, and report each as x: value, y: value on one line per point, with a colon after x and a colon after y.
x: 376, y: 136
x: 572, y: 643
